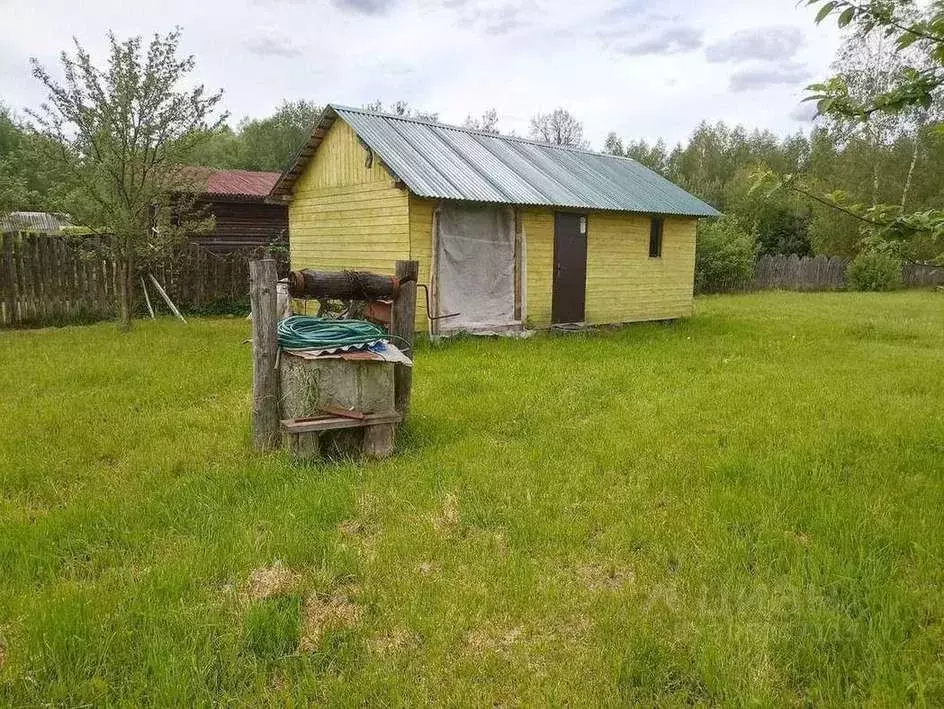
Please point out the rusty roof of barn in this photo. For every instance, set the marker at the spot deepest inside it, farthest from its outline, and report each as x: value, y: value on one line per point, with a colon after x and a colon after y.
x: 446, y: 162
x: 231, y: 184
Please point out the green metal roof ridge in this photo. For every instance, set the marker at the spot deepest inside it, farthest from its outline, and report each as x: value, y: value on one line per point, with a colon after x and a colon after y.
x: 484, y: 133
x: 478, y: 166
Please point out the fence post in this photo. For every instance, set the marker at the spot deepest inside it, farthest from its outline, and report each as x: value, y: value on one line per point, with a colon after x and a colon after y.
x: 9, y: 277
x: 265, y: 376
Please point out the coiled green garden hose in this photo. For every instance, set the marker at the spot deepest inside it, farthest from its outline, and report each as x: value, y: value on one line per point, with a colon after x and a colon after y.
x: 303, y: 332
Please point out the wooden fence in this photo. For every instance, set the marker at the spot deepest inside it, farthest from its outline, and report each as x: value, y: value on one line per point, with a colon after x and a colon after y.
x: 828, y: 273
x: 918, y: 275
x: 795, y: 273
x: 58, y: 280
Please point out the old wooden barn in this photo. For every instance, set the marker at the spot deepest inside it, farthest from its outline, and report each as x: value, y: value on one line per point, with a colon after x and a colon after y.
x: 237, y: 200
x: 508, y: 232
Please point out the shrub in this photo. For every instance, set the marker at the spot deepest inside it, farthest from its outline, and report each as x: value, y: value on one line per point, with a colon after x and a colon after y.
x: 724, y: 256
x: 874, y: 270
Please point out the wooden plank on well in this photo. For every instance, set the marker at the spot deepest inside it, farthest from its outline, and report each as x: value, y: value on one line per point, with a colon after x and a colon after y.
x: 331, y: 423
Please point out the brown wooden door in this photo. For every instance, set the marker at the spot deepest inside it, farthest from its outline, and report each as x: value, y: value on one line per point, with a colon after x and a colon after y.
x: 570, y: 267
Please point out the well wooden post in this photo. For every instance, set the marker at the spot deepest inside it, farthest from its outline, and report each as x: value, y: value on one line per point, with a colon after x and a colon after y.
x: 402, y: 328
x: 265, y: 376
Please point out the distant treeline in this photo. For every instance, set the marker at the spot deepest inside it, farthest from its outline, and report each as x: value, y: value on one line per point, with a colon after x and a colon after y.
x: 718, y: 163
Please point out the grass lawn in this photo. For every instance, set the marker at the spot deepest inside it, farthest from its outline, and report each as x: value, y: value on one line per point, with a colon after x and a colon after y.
x: 744, y: 507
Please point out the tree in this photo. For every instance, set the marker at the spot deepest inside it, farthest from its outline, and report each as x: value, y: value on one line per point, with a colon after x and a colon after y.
x: 25, y: 182
x: 868, y: 70
x: 558, y: 127
x: 486, y: 123
x: 909, y: 26
x: 14, y: 190
x: 401, y: 108
x: 614, y: 145
x: 221, y: 148
x: 724, y: 255
x: 655, y: 156
x: 917, y: 29
x: 124, y: 135
x: 271, y: 143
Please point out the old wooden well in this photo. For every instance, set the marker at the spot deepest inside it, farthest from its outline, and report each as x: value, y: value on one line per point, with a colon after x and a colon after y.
x: 318, y: 403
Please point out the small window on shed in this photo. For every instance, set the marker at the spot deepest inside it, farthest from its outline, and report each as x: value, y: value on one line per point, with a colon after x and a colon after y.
x: 655, y: 237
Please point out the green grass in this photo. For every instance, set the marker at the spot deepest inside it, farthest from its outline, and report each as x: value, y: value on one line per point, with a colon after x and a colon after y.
x: 744, y: 507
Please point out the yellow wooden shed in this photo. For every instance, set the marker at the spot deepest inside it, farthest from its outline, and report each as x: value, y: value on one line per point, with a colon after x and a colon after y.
x: 508, y: 232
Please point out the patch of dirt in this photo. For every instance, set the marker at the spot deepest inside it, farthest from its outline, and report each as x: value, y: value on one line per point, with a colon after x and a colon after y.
x: 574, y: 629
x: 395, y: 641
x: 605, y: 577
x: 481, y: 640
x: 270, y: 581
x: 321, y: 613
x: 428, y: 567
x: 662, y: 596
x: 448, y: 517
x: 351, y: 528
x: 500, y: 543
x: 799, y: 537
x: 361, y: 537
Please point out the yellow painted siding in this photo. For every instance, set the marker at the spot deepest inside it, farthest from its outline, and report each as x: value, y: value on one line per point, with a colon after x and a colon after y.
x: 537, y: 226
x: 344, y: 215
x: 623, y: 283
x: 421, y: 249
x: 340, y: 161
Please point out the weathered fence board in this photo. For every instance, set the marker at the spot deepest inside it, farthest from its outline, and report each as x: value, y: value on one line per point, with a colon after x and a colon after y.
x: 824, y: 273
x: 920, y: 274
x: 795, y: 273
x: 53, y: 279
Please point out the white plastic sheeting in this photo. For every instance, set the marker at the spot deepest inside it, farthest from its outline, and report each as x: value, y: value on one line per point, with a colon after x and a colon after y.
x: 476, y: 265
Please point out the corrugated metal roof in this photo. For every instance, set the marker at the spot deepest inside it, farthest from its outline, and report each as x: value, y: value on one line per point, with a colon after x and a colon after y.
x: 241, y: 183
x: 446, y: 162
x: 35, y: 222
x: 230, y: 184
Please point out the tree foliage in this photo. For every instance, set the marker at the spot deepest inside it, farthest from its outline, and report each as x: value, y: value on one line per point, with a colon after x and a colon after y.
x: 26, y: 182
x: 401, y: 108
x: 916, y: 29
x: 724, y: 255
x: 874, y: 270
x: 487, y: 122
x: 900, y: 83
x: 559, y: 127
x: 122, y: 136
x: 266, y: 144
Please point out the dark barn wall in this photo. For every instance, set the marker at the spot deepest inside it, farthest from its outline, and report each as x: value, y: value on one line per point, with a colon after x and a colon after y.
x: 244, y: 224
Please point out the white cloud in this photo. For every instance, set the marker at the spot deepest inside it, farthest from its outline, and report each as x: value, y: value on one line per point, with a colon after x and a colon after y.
x: 620, y: 66
x: 367, y: 7
x: 765, y: 76
x: 777, y: 43
x: 671, y: 40
x: 273, y: 45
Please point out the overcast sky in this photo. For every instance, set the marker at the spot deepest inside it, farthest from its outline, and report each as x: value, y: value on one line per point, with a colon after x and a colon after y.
x: 641, y: 68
